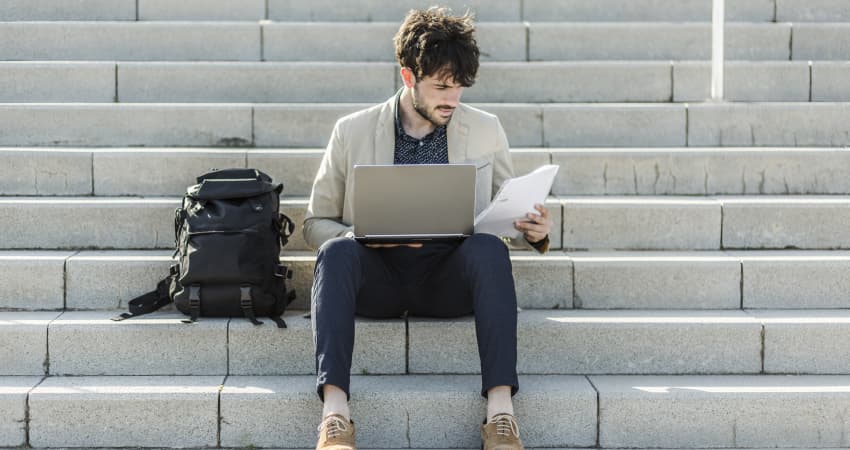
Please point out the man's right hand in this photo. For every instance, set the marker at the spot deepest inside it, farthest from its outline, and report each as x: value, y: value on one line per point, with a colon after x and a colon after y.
x: 412, y: 245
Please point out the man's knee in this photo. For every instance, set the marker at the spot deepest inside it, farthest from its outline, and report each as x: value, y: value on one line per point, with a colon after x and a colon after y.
x: 485, y: 245
x: 340, y: 247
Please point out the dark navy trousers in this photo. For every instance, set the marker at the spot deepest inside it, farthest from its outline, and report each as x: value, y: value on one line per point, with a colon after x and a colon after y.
x: 437, y: 280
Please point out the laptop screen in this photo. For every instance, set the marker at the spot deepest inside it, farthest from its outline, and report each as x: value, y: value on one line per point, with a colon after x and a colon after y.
x: 425, y: 200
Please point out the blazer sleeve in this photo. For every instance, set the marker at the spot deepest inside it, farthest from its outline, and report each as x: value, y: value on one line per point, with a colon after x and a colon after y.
x: 503, y: 169
x: 323, y: 220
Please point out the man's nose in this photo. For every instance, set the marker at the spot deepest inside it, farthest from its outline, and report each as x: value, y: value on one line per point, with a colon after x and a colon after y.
x: 452, y: 97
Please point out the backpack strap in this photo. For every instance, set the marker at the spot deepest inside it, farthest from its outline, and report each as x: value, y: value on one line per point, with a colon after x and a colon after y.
x: 287, y: 227
x: 149, y: 302
x: 247, y: 304
x: 194, y: 303
x: 279, y: 321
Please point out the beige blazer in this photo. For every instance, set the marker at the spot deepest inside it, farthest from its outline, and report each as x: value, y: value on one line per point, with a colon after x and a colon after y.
x: 368, y: 137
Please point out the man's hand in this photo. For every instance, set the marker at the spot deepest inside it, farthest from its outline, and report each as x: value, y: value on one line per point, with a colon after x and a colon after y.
x: 535, y: 227
x: 412, y: 245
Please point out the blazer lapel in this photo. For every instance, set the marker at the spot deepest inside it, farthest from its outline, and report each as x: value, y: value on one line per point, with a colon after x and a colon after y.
x: 456, y: 135
x: 385, y: 134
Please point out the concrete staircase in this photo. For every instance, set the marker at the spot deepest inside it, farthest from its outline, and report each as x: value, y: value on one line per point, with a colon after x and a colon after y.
x: 697, y: 296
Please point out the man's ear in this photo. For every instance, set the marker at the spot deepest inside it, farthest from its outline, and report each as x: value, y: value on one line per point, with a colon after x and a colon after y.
x: 407, y: 77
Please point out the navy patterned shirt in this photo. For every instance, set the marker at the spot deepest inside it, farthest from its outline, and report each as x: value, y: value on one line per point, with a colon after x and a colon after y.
x: 431, y: 149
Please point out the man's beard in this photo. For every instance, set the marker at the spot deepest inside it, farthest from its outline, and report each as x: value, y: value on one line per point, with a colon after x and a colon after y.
x: 429, y: 115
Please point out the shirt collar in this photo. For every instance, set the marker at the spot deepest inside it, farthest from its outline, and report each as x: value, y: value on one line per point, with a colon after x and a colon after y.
x: 399, y: 129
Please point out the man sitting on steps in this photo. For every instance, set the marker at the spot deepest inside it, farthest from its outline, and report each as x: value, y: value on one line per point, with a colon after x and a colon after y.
x: 424, y: 123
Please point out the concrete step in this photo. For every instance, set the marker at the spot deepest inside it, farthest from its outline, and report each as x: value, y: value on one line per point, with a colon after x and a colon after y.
x: 129, y: 222
x: 372, y: 41
x: 42, y: 280
x: 829, y: 81
x: 716, y: 412
x: 701, y: 171
x: 230, y: 41
x: 35, y: 171
x: 436, y: 411
x: 644, y: 10
x: 13, y: 409
x: 13, y: 10
x: 812, y: 11
x: 763, y: 125
x: 76, y: 280
x: 549, y: 342
x: 657, y: 41
x: 253, y: 10
x: 388, y: 10
x: 167, y: 171
x: 128, y: 41
x: 507, y: 82
x: 809, y: 37
x: 580, y: 223
x: 298, y: 125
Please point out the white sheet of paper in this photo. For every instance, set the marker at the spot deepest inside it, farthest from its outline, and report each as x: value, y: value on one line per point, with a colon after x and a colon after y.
x: 515, y: 198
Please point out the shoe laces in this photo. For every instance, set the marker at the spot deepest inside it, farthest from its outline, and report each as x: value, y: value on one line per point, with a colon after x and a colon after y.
x: 506, y: 425
x: 335, y: 426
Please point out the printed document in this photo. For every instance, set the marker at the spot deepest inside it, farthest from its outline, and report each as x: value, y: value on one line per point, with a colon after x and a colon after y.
x: 515, y: 198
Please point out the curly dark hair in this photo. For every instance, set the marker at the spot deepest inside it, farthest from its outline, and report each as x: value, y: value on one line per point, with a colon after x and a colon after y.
x: 433, y: 42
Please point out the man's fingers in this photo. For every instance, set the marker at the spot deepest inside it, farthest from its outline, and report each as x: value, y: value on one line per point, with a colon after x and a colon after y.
x: 543, y: 210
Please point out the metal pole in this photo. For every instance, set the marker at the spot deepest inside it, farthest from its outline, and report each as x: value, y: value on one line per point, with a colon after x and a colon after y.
x: 717, y: 21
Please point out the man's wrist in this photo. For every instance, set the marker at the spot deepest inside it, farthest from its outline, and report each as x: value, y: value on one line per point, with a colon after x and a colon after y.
x: 541, y: 245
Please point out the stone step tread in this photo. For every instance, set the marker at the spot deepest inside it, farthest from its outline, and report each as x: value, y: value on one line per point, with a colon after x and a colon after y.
x: 582, y: 280
x: 507, y: 41
x: 549, y: 342
x: 66, y: 172
x: 299, y: 125
x: 505, y: 82
x: 444, y: 411
x: 394, y: 10
x: 531, y: 10
x: 272, y: 82
x: 632, y: 223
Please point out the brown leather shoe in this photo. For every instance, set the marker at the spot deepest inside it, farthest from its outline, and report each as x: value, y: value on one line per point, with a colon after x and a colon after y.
x: 336, y: 433
x: 501, y: 433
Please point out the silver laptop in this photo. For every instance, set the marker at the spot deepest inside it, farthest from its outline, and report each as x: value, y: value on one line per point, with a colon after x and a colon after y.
x: 404, y: 203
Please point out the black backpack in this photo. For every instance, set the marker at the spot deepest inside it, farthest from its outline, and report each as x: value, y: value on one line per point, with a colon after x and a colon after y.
x: 228, y: 235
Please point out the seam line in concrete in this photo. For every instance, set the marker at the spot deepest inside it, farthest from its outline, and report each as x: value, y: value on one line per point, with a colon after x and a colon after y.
x: 65, y: 280
x: 115, y: 97
x: 542, y: 126
x: 775, y: 10
x: 673, y: 89
x: 598, y: 410
x: 763, y: 332
x: 407, y: 348
x: 91, y: 167
x: 28, y: 414
x: 527, y: 41
x: 791, y: 44
x: 811, y: 79
x: 267, y: 10
x: 253, y: 134
x: 687, y: 125
x: 576, y: 302
x: 722, y: 219
x: 137, y: 10
x: 218, y: 412
x: 263, y: 42
x: 409, y: 445
x: 741, y: 285
x: 227, y: 347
